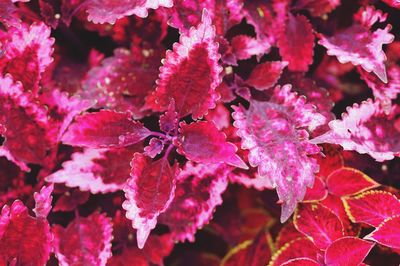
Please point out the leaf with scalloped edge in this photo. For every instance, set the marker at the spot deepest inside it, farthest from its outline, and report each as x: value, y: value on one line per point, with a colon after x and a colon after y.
x: 387, y: 233
x: 25, y: 240
x: 27, y: 53
x: 190, y: 73
x: 347, y: 251
x: 296, y: 43
x: 347, y: 181
x: 26, y: 123
x: 108, y: 11
x: 317, y: 8
x: 85, y: 241
x: 371, y: 207
x: 265, y: 75
x: 244, y: 47
x: 202, y: 142
x: 317, y: 192
x: 43, y: 201
x: 366, y: 128
x: 300, y: 247
x: 148, y: 193
x: 198, y: 191
x: 366, y: 51
x: 96, y: 170
x: 105, y: 128
x: 318, y: 223
x: 276, y: 134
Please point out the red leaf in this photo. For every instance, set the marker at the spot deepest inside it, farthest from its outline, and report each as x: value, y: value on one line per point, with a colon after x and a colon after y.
x: 387, y: 233
x: 272, y: 131
x: 371, y: 207
x: 287, y: 234
x: 318, y: 223
x: 96, y: 170
x: 298, y: 248
x: 24, y: 240
x: 148, y: 193
x: 105, y: 129
x: 244, y: 47
x: 317, y: 8
x: 347, y: 251
x: 349, y: 181
x: 265, y: 75
x: 255, y: 252
x: 69, y: 201
x: 393, y: 3
x: 108, y: 11
x: 366, y: 51
x: 85, y: 241
x: 296, y: 43
x: 317, y: 193
x: 302, y: 262
x: 28, y: 54
x: 366, y: 128
x: 202, y: 142
x: 190, y: 73
x: 198, y: 192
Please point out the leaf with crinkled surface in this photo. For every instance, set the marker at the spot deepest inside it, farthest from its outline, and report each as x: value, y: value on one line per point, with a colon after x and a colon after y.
x: 265, y: 75
x: 366, y: 51
x: 85, y: 241
x: 198, y: 192
x: 96, y: 170
x: 202, y: 142
x: 317, y: 8
x: 387, y: 233
x: 318, y: 223
x: 154, y: 148
x: 148, y: 193
x: 108, y: 11
x: 9, y: 13
x: 372, y: 207
x: 43, y: 201
x: 347, y: 251
x: 275, y: 133
x: 28, y: 52
x: 26, y: 124
x: 296, y: 43
x: 244, y: 47
x: 123, y: 81
x: 24, y: 240
x: 367, y: 129
x: 190, y: 73
x: 105, y: 128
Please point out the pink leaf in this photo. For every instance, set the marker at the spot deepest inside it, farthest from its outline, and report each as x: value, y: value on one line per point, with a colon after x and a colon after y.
x: 393, y: 3
x: 108, y: 11
x: 244, y: 47
x: 43, y: 201
x: 318, y: 223
x: 347, y: 251
x: 154, y: 148
x: 27, y: 54
x: 366, y: 51
x: 372, y: 207
x: 198, y: 192
x: 366, y: 128
x: 96, y: 170
x: 299, y: 248
x: 24, y: 240
x: 169, y: 120
x: 387, y: 233
x: 317, y: 8
x: 85, y: 241
x: 148, y: 193
x: 296, y: 44
x: 202, y: 142
x: 190, y: 73
x: 302, y: 262
x: 265, y: 75
x: 318, y: 191
x: 272, y: 131
x: 105, y: 129
x: 349, y: 181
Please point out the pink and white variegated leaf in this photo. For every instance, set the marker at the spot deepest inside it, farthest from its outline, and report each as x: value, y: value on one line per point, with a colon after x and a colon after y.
x: 275, y: 133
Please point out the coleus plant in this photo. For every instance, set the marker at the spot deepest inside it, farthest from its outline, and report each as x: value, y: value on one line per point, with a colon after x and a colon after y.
x: 121, y: 141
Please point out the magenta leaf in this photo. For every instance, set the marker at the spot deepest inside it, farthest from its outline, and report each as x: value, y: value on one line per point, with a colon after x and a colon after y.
x: 296, y: 43
x: 202, y: 142
x: 43, y: 201
x: 198, y: 191
x: 148, y: 193
x: 85, y: 241
x: 275, y: 133
x: 244, y: 47
x: 317, y: 8
x: 190, y: 73
x: 387, y: 233
x: 366, y: 128
x: 96, y: 170
x: 265, y: 75
x: 105, y: 129
x: 347, y: 251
